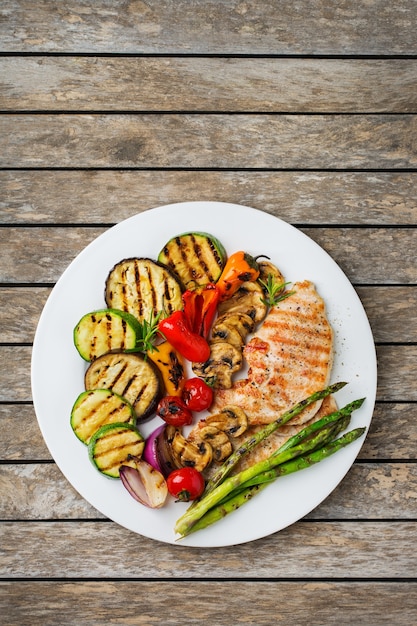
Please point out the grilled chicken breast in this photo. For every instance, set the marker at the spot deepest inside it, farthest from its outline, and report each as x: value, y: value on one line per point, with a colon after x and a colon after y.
x: 289, y: 358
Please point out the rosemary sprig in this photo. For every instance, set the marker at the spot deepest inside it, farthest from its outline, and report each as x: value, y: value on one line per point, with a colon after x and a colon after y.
x: 275, y: 291
x: 147, y: 332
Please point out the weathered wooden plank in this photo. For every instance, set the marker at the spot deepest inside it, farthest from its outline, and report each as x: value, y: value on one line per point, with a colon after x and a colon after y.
x: 369, y: 491
x: 44, y: 197
x: 21, y: 439
x: 367, y: 256
x: 225, y: 27
x: 20, y: 309
x: 304, y: 550
x: 209, y: 141
x: 392, y: 312
x: 207, y: 84
x: 396, y: 380
x: 230, y: 603
x: 392, y: 435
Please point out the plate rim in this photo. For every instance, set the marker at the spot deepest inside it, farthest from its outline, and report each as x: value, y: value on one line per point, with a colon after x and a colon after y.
x: 193, y: 540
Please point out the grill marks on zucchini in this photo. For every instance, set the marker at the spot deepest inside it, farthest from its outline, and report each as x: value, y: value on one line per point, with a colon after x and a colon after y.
x: 98, y: 407
x: 194, y: 258
x: 143, y: 288
x: 100, y: 331
x: 114, y: 445
x: 131, y: 376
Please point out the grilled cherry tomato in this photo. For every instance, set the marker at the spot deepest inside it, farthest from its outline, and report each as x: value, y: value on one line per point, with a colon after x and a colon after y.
x: 173, y: 411
x: 197, y: 395
x: 185, y: 484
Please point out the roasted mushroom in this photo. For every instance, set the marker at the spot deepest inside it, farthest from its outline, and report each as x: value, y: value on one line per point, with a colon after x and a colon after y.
x: 266, y: 269
x: 247, y: 299
x: 217, y: 439
x: 189, y: 454
x: 232, y: 420
x: 225, y: 359
x: 222, y: 331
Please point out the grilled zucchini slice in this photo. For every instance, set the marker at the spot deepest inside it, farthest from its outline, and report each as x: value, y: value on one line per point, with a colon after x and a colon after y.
x: 129, y: 375
x: 196, y: 258
x: 100, y: 331
x: 143, y: 288
x: 113, y: 445
x: 97, y: 407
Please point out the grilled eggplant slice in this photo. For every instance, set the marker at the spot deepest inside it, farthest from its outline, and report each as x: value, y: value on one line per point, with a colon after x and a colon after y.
x: 97, y: 407
x: 114, y: 445
x: 143, y: 288
x: 100, y: 331
x: 196, y: 258
x: 131, y: 376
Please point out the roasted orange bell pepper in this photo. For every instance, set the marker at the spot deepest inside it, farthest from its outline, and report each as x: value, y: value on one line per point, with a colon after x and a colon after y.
x: 170, y: 363
x: 240, y: 268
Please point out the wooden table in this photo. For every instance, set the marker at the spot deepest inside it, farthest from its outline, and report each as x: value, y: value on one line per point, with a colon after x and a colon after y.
x: 306, y: 110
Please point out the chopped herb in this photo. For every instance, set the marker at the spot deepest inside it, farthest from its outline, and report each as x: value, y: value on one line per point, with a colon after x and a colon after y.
x: 275, y: 292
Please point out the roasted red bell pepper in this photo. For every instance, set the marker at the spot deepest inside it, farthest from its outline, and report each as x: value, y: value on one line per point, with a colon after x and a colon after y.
x: 200, y: 306
x: 177, y: 331
x: 240, y: 267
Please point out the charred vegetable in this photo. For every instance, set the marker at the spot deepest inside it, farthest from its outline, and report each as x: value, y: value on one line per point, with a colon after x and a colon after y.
x: 113, y: 445
x: 100, y: 331
x: 225, y: 359
x: 240, y: 268
x: 145, y: 484
x: 92, y: 409
x: 170, y: 363
x: 196, y: 258
x: 189, y: 454
x: 143, y: 288
x: 247, y: 299
x: 217, y: 439
x: 231, y: 419
x: 131, y: 376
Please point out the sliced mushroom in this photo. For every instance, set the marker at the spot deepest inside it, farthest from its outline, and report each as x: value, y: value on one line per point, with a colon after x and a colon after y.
x: 247, y: 299
x: 231, y: 420
x: 189, y: 454
x: 217, y: 439
x: 225, y: 359
x: 222, y: 331
x: 242, y: 322
x: 266, y: 268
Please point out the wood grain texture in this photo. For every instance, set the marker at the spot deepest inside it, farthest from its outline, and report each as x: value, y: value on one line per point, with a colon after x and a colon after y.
x: 392, y: 312
x: 311, y: 198
x: 392, y: 434
x: 377, y: 491
x: 209, y: 141
x: 210, y: 27
x: 155, y: 603
x: 367, y: 256
x: 198, y: 84
x: 349, y: 550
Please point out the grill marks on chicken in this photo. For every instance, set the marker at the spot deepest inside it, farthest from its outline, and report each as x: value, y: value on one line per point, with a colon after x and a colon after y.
x: 289, y: 358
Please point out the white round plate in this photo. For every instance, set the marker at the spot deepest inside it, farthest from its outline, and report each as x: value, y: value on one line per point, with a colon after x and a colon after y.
x: 58, y: 370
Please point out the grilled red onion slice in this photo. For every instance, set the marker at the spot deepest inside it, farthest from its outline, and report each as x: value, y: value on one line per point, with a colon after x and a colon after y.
x: 145, y: 484
x: 150, y: 453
